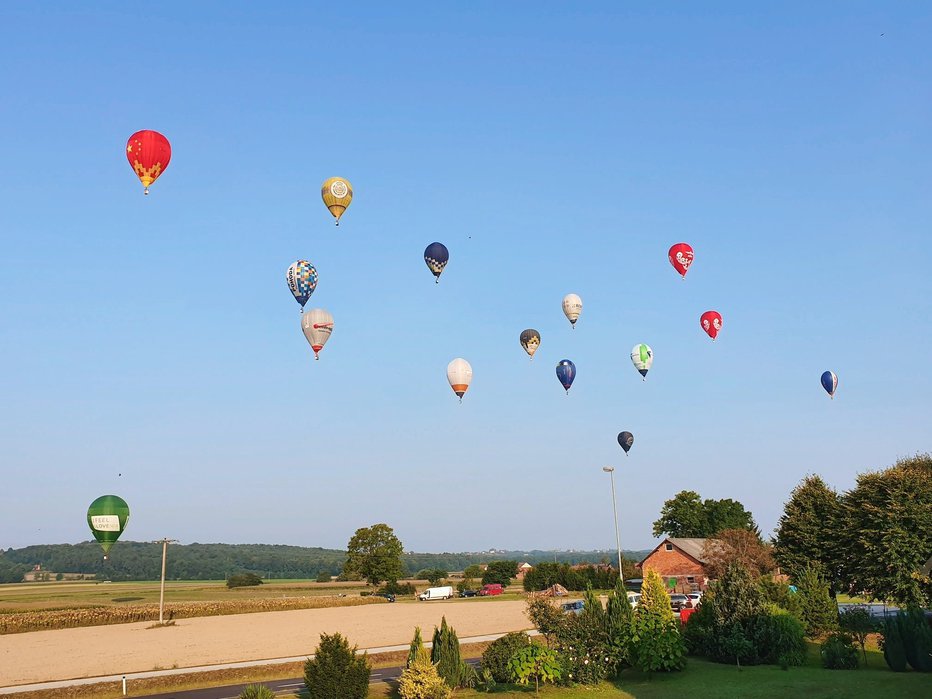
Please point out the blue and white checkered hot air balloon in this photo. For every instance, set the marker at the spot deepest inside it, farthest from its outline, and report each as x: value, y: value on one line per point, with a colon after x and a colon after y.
x: 436, y: 256
x: 302, y: 280
x: 829, y: 383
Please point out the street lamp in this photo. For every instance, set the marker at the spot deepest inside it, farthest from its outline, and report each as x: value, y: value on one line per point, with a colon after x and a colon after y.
x: 610, y: 470
x: 165, y: 543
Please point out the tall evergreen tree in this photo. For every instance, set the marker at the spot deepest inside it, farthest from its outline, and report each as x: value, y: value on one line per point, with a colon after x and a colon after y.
x: 417, y: 644
x: 817, y: 609
x: 808, y: 529
x: 656, y: 643
x: 445, y: 654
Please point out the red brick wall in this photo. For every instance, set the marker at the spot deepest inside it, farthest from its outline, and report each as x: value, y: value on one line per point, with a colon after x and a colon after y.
x: 676, y: 564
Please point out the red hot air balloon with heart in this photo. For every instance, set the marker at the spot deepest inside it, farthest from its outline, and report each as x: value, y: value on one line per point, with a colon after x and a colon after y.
x: 711, y: 322
x: 148, y: 153
x: 681, y: 257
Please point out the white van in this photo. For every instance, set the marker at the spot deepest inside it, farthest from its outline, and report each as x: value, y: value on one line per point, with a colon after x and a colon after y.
x: 436, y: 593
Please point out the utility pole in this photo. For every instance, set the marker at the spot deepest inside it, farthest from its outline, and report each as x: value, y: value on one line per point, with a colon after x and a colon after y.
x: 165, y: 543
x: 610, y: 470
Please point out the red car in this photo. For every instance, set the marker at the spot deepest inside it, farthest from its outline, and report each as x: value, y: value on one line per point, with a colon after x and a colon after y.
x: 491, y: 589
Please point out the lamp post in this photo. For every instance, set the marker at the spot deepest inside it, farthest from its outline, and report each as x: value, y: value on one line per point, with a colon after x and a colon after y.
x: 165, y: 543
x: 610, y: 470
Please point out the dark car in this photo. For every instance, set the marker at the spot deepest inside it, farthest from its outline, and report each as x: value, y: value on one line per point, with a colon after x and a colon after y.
x: 387, y: 595
x: 574, y: 607
x: 468, y: 593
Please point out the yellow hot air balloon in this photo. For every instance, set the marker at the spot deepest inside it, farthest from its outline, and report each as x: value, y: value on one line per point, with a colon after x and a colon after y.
x: 337, y: 194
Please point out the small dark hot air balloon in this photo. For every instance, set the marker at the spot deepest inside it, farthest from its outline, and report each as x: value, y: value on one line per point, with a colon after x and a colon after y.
x: 530, y: 341
x: 625, y: 441
x: 436, y: 256
x: 829, y: 383
x: 566, y: 373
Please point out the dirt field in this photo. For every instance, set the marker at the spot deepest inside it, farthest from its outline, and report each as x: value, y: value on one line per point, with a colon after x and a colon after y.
x: 103, y: 650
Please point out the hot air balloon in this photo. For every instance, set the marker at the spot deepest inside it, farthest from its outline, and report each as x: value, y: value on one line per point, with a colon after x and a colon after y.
x: 681, y: 256
x: 711, y: 322
x: 530, y: 341
x: 572, y: 307
x: 302, y: 280
x: 459, y: 374
x: 317, y: 325
x: 642, y: 357
x: 436, y: 256
x: 625, y: 441
x: 566, y: 373
x: 337, y: 194
x: 148, y: 153
x: 829, y: 383
x: 107, y: 517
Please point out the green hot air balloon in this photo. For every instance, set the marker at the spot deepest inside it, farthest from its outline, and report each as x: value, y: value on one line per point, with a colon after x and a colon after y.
x: 107, y: 517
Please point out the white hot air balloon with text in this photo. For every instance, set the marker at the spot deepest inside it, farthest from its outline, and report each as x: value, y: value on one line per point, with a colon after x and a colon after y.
x: 572, y: 307
x: 317, y: 325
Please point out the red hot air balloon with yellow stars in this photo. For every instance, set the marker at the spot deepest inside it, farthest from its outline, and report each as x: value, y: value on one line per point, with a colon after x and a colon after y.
x: 148, y: 153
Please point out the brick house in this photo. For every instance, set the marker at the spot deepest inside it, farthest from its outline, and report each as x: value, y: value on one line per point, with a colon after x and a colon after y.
x: 681, y: 561
x: 523, y: 569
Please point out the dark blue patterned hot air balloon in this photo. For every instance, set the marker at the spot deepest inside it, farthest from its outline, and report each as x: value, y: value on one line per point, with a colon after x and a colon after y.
x: 566, y: 372
x: 436, y: 256
x: 829, y: 383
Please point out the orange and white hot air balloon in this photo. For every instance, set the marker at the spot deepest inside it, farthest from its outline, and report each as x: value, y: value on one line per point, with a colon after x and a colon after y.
x: 317, y: 325
x: 148, y: 153
x: 337, y: 194
x: 459, y: 374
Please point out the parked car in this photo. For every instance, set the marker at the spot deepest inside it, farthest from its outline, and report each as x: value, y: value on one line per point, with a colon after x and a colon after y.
x: 695, y: 597
x: 634, y: 598
x: 491, y: 589
x: 430, y: 593
x: 387, y: 595
x: 469, y: 593
x: 574, y: 607
x: 678, y: 602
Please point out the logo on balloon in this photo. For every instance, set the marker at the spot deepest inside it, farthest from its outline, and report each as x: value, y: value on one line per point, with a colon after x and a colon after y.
x: 338, y: 189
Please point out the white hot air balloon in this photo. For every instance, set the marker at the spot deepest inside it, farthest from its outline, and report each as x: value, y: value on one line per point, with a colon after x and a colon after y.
x: 642, y: 356
x: 459, y: 374
x: 572, y: 307
x: 317, y: 325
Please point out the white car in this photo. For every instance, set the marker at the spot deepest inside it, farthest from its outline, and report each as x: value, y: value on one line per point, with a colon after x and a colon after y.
x: 633, y: 598
x: 695, y: 598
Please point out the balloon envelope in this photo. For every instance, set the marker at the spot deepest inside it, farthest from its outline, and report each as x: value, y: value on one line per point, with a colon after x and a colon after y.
x: 337, y: 194
x: 625, y: 441
x: 148, y: 153
x: 302, y: 280
x: 681, y: 256
x: 566, y: 373
x: 530, y: 341
x: 436, y: 256
x: 107, y: 517
x: 711, y: 322
x: 642, y: 357
x: 572, y: 307
x: 829, y: 383
x: 459, y: 374
x: 317, y: 325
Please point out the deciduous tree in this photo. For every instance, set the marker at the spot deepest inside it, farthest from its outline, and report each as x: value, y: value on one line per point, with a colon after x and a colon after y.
x: 739, y: 546
x: 687, y: 515
x: 374, y: 553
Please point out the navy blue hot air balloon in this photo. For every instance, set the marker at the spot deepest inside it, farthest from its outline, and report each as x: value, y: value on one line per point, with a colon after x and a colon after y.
x: 436, y: 256
x: 829, y: 383
x: 566, y: 372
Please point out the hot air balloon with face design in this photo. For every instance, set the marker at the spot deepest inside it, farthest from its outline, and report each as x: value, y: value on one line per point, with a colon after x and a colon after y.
x: 530, y: 341
x: 148, y: 153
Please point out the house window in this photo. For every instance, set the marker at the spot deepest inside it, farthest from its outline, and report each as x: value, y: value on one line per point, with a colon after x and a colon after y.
x: 690, y: 579
x: 668, y: 547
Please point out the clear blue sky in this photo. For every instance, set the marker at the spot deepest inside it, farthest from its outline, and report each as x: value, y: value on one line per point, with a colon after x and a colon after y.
x: 553, y: 148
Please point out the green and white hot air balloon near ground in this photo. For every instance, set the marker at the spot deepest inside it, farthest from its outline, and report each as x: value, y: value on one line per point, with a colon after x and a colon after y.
x: 642, y: 357
x: 107, y: 517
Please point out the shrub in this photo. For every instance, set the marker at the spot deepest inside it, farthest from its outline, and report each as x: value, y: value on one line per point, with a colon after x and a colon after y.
x: 496, y: 657
x: 838, y: 652
x: 445, y: 654
x: 917, y: 639
x: 779, y: 593
x: 894, y: 651
x: 656, y: 641
x: 256, y: 691
x: 537, y: 663
x: 858, y: 622
x: 737, y: 597
x: 243, y: 580
x: 323, y: 576
x: 335, y: 671
x: 619, y: 622
x: 420, y: 680
x: 397, y: 588
x: 545, y: 617
x: 736, y: 644
x: 817, y: 611
x: 777, y: 639
x: 417, y: 645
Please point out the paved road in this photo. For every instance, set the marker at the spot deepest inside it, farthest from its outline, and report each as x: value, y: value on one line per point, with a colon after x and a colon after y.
x: 284, y: 688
